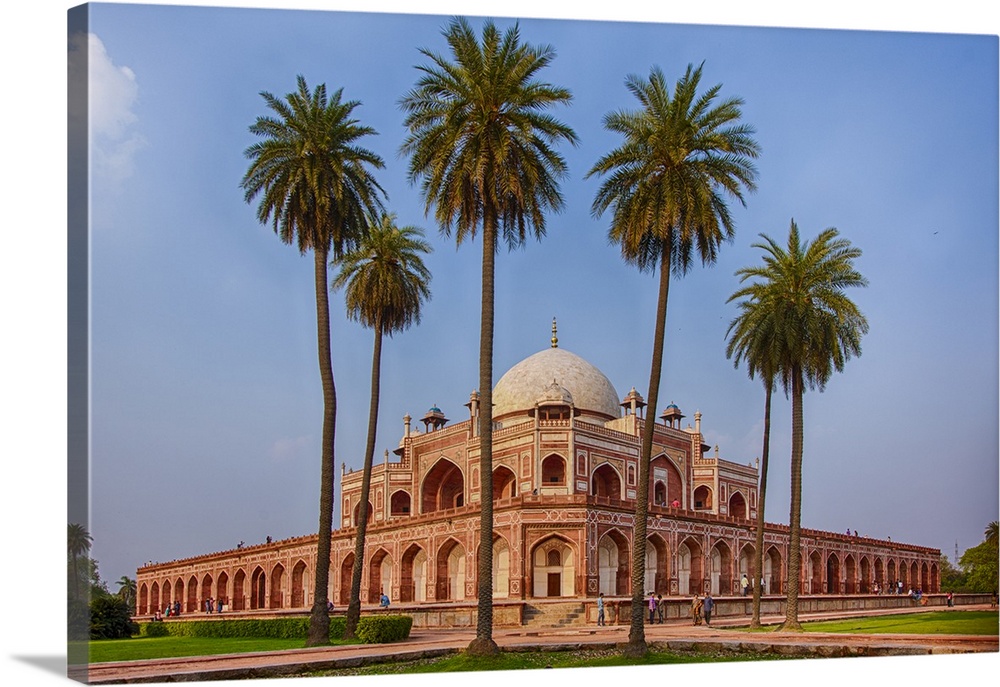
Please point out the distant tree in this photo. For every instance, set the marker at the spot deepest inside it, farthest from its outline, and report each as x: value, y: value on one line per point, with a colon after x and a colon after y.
x: 78, y: 542
x: 386, y: 282
x: 317, y: 192
x: 980, y: 563
x: 753, y: 339
x: 111, y: 618
x: 481, y: 142
x: 952, y: 578
x: 667, y: 183
x: 126, y: 590
x: 992, y: 533
x: 801, y: 289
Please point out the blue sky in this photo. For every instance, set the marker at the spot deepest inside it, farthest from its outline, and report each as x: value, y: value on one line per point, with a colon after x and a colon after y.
x: 205, y: 385
x: 205, y: 395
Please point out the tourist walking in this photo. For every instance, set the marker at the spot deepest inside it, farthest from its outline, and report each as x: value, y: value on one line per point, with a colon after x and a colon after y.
x: 707, y: 608
x: 696, y: 606
x: 652, y: 608
x: 661, y: 608
x: 744, y: 584
x: 600, y: 609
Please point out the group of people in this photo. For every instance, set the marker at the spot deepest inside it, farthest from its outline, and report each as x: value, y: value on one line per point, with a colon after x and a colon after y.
x: 214, y: 606
x: 702, y: 608
x: 746, y: 586
x: 169, y: 610
x: 892, y: 588
x: 657, y: 608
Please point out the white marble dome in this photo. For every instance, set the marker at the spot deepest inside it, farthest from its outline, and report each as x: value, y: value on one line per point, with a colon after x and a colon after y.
x: 533, y: 379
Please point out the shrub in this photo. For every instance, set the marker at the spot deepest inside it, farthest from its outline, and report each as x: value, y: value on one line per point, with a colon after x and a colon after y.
x: 382, y: 629
x: 111, y: 618
x: 270, y: 628
x: 153, y: 629
x: 338, y: 624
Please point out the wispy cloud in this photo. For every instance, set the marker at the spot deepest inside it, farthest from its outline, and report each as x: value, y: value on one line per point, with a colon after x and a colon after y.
x: 111, y: 95
x: 287, y: 450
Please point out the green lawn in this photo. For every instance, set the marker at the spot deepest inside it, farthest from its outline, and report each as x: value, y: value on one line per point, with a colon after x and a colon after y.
x: 929, y: 623
x: 140, y: 648
x: 532, y: 660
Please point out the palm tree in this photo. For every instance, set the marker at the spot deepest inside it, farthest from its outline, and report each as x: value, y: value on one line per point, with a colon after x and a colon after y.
x: 991, y: 532
x: 317, y: 190
x: 481, y: 143
x: 126, y: 590
x: 667, y: 183
x: 753, y: 340
x: 78, y: 542
x: 386, y: 282
x: 815, y: 328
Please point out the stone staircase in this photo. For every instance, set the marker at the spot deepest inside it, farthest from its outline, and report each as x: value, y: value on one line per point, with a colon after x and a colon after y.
x: 554, y: 615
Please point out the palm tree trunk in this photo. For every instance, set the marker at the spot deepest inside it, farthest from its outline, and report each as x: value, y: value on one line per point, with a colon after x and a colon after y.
x: 319, y: 620
x: 636, y: 645
x: 354, y: 608
x: 483, y: 644
x: 795, y: 510
x: 761, y: 492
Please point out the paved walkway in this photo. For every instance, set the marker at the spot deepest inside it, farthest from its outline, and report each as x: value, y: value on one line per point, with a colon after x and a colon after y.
x: 425, y: 642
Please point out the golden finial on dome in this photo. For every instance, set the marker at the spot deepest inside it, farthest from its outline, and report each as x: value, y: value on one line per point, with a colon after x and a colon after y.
x: 555, y: 339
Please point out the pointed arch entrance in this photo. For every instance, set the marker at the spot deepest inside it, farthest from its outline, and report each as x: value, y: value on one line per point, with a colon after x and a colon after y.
x: 833, y: 574
x: 553, y: 471
x: 703, y: 498
x: 690, y: 574
x: 722, y: 565
x: 346, y: 579
x: 553, y: 568
x: 443, y: 487
x: 815, y: 576
x: 772, y: 572
x: 501, y: 568
x: 379, y: 575
x: 657, y: 570
x: 277, y: 597
x: 222, y: 588
x: 850, y: 575
x: 257, y: 584
x: 738, y: 507
x: 606, y: 483
x: 192, y: 594
x: 239, y: 593
x: 504, y: 483
x: 413, y: 575
x: 866, y: 576
x: 613, y: 563
x: 206, y: 591
x: 300, y: 585
x: 450, y: 571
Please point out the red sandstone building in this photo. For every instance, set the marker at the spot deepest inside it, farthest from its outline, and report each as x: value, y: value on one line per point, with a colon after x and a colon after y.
x: 565, y: 461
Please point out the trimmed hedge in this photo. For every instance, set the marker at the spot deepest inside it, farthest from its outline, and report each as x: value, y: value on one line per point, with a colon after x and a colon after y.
x: 155, y: 629
x: 378, y: 629
x: 382, y: 629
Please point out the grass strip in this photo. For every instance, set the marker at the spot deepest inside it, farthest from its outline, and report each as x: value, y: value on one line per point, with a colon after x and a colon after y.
x: 928, y: 623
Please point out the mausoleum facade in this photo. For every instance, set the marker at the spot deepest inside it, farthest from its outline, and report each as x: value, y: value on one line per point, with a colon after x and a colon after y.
x: 565, y: 467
